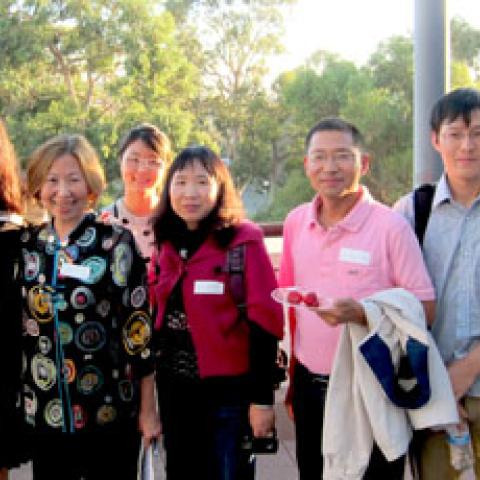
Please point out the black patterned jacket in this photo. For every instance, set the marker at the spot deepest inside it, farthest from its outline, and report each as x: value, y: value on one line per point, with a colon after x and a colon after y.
x: 86, y: 327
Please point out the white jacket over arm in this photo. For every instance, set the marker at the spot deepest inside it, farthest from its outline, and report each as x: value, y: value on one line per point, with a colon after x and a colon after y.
x: 365, y: 383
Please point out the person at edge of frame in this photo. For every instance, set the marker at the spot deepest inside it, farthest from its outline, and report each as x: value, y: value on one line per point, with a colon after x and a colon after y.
x: 13, y: 450
x: 450, y: 249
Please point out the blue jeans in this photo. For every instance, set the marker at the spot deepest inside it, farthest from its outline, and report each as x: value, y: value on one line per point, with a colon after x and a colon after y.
x: 230, y: 424
x: 201, y: 438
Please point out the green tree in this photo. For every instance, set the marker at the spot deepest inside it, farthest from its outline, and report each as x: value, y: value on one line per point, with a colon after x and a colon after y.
x: 94, y: 67
x: 391, y: 67
x: 465, y: 44
x: 240, y: 42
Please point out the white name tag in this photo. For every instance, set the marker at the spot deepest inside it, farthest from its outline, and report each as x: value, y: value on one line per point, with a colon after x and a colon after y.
x: 207, y: 287
x: 351, y: 255
x: 80, y: 272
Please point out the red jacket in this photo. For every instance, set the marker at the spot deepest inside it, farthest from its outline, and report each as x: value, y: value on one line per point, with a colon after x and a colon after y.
x: 221, y: 341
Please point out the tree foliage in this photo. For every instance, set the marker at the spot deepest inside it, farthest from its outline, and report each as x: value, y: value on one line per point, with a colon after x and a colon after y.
x: 94, y: 67
x: 199, y: 69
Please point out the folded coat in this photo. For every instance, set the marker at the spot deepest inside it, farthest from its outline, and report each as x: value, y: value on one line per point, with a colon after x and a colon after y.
x: 368, y: 401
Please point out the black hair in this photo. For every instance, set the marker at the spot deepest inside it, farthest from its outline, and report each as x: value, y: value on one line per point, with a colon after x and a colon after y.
x: 458, y: 103
x: 227, y: 212
x: 338, y: 125
x: 152, y: 136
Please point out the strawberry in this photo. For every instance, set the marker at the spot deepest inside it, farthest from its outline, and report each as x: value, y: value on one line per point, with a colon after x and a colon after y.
x: 311, y: 300
x: 294, y: 297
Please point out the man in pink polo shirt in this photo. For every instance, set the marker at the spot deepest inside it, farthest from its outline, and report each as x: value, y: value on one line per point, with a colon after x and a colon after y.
x: 344, y: 246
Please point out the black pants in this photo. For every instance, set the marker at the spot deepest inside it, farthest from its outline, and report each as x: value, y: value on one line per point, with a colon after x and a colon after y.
x: 309, y: 393
x: 86, y: 456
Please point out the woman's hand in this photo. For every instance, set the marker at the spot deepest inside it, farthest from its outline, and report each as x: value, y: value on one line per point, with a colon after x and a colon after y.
x: 150, y: 426
x: 262, y: 420
x: 148, y: 418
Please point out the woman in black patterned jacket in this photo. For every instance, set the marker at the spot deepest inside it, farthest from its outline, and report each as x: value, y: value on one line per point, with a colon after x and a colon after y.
x: 88, y: 383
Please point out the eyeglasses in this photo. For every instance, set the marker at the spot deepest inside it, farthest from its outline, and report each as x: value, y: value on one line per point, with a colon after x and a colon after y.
x: 340, y: 157
x: 458, y: 136
x: 146, y: 163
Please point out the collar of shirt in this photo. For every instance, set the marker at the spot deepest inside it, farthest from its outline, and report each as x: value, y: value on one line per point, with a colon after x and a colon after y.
x: 355, y: 217
x: 442, y: 192
x: 88, y: 219
x: 123, y: 212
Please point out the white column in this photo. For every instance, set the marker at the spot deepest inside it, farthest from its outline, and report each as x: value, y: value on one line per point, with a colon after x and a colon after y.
x: 432, y: 78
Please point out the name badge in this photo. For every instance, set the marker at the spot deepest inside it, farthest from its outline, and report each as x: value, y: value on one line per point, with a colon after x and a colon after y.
x: 207, y: 287
x: 80, y: 272
x: 360, y: 257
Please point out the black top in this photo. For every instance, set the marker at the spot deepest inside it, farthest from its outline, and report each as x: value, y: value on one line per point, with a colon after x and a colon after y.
x: 87, y: 327
x: 11, y: 451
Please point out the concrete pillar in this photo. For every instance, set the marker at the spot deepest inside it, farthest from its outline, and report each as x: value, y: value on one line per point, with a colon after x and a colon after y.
x: 432, y: 78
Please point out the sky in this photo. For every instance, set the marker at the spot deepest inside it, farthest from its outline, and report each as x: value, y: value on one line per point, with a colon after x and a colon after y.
x: 353, y: 28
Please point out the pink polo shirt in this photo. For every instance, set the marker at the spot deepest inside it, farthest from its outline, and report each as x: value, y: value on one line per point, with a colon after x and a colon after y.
x: 372, y: 249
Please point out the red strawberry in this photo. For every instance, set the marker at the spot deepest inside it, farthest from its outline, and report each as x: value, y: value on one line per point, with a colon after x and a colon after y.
x: 311, y: 300
x: 294, y: 297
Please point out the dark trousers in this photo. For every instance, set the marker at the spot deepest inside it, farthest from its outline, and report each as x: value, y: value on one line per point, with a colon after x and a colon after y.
x: 309, y: 393
x: 86, y: 456
x: 202, y: 438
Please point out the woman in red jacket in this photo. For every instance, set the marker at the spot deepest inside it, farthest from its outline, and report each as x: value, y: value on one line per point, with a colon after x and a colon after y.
x: 214, y: 365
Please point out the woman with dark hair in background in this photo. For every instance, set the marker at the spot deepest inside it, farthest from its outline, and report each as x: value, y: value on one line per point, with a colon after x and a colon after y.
x: 145, y: 154
x: 215, y: 363
x: 11, y: 445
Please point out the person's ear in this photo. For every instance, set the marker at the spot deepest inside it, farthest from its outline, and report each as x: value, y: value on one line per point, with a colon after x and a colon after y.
x: 92, y: 199
x: 36, y: 198
x: 435, y: 139
x: 364, y: 163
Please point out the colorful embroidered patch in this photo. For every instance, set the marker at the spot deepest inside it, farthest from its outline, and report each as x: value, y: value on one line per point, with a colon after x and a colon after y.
x: 106, y: 414
x: 121, y: 264
x: 40, y: 303
x: 89, y: 380
x: 53, y: 413
x: 87, y: 238
x: 82, y: 297
x: 44, y: 372
x: 136, y: 332
x: 97, y: 266
x: 90, y: 337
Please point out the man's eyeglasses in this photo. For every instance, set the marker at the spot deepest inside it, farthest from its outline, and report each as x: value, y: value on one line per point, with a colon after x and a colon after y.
x: 458, y: 136
x: 340, y: 157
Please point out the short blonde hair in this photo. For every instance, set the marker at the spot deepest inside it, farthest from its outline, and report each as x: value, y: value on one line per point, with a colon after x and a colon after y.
x: 76, y: 145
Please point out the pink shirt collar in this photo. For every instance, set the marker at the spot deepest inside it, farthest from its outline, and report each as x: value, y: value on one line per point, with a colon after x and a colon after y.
x: 355, y: 217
